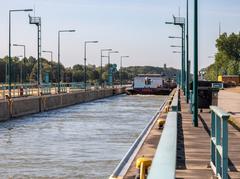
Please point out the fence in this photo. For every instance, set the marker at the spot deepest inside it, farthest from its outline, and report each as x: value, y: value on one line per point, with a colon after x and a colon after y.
x: 219, y: 142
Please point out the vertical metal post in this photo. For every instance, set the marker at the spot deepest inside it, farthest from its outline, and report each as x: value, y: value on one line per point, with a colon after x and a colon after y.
x: 39, y: 66
x: 218, y: 143
x: 59, y: 62
x: 24, y: 57
x: 109, y: 68
x: 213, y: 135
x: 51, y: 67
x: 101, y: 68
x: 225, y: 147
x: 121, y: 70
x: 9, y: 58
x: 195, y: 79
x: 187, y: 56
x: 183, y: 59
x: 85, y: 67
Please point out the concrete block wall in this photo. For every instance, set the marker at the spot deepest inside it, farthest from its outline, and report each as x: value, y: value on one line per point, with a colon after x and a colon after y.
x: 25, y: 106
x: 30, y: 105
x: 4, y: 110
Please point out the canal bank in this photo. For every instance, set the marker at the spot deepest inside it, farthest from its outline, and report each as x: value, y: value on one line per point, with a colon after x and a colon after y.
x: 18, y: 107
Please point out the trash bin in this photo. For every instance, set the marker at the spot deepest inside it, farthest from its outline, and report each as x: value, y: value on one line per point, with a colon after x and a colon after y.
x: 207, y: 95
x: 21, y: 91
x: 215, y: 96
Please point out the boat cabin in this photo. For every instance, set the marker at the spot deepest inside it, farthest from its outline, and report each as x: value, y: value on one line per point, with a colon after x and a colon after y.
x: 148, y: 81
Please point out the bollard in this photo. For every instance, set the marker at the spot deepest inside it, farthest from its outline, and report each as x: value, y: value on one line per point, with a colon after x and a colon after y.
x: 160, y: 123
x: 143, y: 164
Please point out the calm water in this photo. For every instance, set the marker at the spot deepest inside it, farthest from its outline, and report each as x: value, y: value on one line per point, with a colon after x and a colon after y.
x: 82, y: 141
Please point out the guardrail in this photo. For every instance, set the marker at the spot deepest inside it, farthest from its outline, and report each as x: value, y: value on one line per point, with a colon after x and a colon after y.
x: 219, y: 142
x: 175, y: 101
x: 164, y: 162
x: 32, y: 89
x: 130, y: 154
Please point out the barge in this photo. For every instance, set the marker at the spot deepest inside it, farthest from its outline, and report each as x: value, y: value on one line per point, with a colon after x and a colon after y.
x: 150, y: 84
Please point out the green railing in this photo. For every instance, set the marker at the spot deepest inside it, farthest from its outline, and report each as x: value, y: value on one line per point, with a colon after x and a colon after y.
x: 164, y: 161
x: 219, y: 142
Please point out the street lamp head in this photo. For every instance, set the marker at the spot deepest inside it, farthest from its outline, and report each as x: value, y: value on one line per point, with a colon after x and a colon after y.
x: 67, y: 31
x: 175, y: 46
x: 176, y: 52
x: 91, y: 41
x: 173, y: 37
x: 27, y: 10
x: 168, y: 22
x: 47, y: 51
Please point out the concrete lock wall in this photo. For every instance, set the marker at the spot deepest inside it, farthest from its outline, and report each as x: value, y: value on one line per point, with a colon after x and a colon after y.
x: 30, y: 105
x: 4, y: 110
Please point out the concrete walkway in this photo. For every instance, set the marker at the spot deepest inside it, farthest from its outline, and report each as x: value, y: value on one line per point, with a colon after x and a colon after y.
x: 193, y: 151
x: 229, y: 101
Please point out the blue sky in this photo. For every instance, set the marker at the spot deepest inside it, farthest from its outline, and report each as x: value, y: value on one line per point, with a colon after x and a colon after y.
x: 133, y: 27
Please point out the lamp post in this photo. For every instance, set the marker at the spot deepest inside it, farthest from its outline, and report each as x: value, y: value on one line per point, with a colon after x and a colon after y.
x: 59, y: 75
x: 176, y: 46
x: 51, y: 54
x: 9, y: 50
x: 182, y: 63
x: 109, y: 69
x: 195, y: 78
x: 180, y: 21
x: 37, y: 21
x: 24, y: 56
x: 102, y: 50
x: 14, y: 70
x: 187, y: 54
x: 121, y: 67
x: 177, y: 52
x: 85, y: 62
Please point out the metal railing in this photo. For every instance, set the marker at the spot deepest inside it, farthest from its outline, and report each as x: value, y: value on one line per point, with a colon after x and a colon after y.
x: 164, y: 162
x: 32, y: 89
x: 219, y: 142
x: 119, y: 170
x: 175, y: 101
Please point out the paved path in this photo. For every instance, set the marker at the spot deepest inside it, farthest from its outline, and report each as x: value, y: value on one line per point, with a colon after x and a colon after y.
x: 229, y: 101
x: 193, y: 154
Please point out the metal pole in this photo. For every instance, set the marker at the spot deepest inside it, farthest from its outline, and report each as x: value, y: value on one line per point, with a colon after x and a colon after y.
x: 101, y: 69
x: 85, y: 66
x: 108, y: 68
x: 39, y: 70
x: 24, y: 57
x: 183, y: 61
x: 59, y: 62
x: 51, y: 67
x: 195, y: 80
x: 121, y: 70
x: 9, y: 59
x: 187, y: 57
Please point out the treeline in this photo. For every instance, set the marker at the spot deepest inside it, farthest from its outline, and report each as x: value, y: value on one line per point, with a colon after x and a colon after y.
x: 28, y: 66
x: 227, y: 57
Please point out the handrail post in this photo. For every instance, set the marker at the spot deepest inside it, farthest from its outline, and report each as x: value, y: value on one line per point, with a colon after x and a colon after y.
x: 219, y: 142
x: 225, y: 147
x: 213, y: 136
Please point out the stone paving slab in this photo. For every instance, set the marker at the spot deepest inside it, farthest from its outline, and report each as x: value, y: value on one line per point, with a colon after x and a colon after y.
x: 194, y: 151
